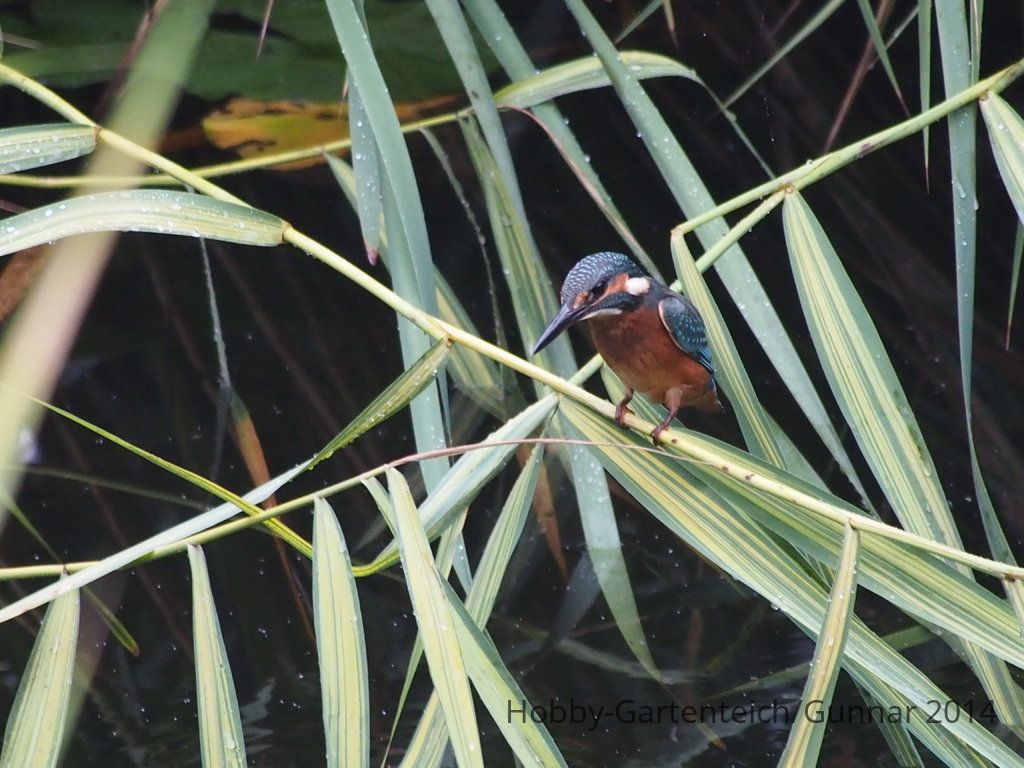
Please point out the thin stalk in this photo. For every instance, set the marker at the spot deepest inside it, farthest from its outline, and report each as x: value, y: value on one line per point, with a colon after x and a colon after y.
x: 858, y: 522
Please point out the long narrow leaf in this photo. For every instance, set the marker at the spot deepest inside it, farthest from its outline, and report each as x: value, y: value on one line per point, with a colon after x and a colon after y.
x: 807, y: 733
x: 881, y: 50
x: 783, y: 50
x: 436, y: 624
x: 427, y: 744
x: 140, y: 210
x: 1006, y: 132
x: 38, y: 717
x: 393, y: 399
x: 220, y: 725
x: 33, y: 146
x: 341, y: 648
x: 366, y: 166
x: 499, y: 693
x: 410, y: 265
x: 145, y: 547
x: 585, y: 74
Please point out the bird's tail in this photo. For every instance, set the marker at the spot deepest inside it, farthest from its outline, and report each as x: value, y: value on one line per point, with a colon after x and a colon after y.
x: 710, y: 402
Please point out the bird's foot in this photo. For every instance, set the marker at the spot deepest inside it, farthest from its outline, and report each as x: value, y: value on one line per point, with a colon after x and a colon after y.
x: 620, y: 414
x: 621, y: 410
x: 656, y: 434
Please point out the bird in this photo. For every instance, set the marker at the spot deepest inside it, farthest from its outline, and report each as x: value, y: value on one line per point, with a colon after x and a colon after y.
x: 652, y: 337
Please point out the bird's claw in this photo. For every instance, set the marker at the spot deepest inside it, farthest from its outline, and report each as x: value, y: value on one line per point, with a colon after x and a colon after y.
x: 620, y: 414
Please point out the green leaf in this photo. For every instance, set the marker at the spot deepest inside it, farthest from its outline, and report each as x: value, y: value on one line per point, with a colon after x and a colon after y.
x: 117, y: 629
x: 220, y: 726
x: 394, y: 398
x: 806, y: 735
x: 642, y: 15
x: 873, y: 402
x: 140, y: 210
x: 366, y: 168
x: 1015, y: 591
x: 881, y: 49
x: 924, y: 67
x: 38, y: 717
x: 464, y: 480
x: 1006, y: 132
x: 341, y: 647
x: 585, y: 74
x: 436, y: 624
x: 33, y: 146
x: 499, y: 693
x: 428, y: 742
x: 604, y: 546
x: 410, y: 264
x: 1018, y: 253
x: 365, y: 74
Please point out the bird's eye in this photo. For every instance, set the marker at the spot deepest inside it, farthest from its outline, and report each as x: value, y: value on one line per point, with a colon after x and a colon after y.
x: 599, y: 288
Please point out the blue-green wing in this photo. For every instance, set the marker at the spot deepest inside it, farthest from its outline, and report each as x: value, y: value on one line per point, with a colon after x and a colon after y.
x: 686, y: 327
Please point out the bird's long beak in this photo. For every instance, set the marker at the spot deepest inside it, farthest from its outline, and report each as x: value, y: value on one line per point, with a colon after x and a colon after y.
x: 566, y: 316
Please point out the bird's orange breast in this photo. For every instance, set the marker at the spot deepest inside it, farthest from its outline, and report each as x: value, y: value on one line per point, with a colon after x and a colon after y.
x: 639, y: 349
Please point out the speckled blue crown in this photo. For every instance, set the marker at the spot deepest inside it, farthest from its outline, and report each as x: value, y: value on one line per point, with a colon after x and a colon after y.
x: 596, y: 267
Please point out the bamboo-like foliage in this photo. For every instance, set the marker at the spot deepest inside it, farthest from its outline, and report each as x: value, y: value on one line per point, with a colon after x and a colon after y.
x: 757, y: 511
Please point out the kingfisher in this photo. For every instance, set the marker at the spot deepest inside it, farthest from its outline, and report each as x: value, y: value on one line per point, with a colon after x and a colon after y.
x: 651, y: 336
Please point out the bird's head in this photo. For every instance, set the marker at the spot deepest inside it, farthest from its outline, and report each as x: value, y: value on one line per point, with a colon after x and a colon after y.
x: 600, y: 284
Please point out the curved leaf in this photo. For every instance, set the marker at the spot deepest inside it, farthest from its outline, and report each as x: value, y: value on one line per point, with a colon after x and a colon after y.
x: 33, y: 146
x: 585, y: 74
x: 140, y: 210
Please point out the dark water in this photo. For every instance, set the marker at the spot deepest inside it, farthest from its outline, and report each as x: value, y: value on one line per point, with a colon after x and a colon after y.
x: 307, y: 350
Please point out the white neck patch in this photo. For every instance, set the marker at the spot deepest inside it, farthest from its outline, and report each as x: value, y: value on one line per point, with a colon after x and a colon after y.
x: 638, y: 286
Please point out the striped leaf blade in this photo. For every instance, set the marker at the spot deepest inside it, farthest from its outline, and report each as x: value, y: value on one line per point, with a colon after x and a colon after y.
x: 1006, y: 133
x: 427, y: 744
x: 140, y: 210
x: 392, y: 399
x: 220, y: 725
x: 585, y: 74
x: 497, y: 689
x: 341, y: 646
x: 436, y: 625
x: 807, y: 733
x: 34, y: 146
x: 38, y: 717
